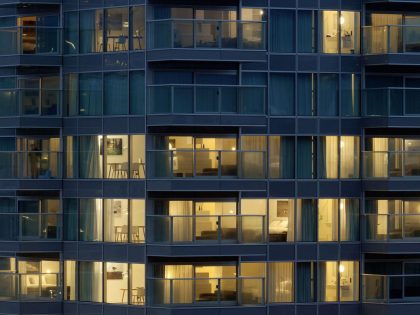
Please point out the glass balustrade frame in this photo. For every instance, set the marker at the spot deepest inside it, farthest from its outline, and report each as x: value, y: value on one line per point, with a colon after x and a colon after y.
x: 390, y: 164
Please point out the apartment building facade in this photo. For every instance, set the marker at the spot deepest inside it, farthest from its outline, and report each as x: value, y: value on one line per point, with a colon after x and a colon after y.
x: 209, y: 157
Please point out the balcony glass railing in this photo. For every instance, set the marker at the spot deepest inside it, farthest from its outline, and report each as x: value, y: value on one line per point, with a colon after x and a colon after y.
x: 207, y: 164
x: 391, y: 102
x: 199, y: 291
x: 207, y: 34
x: 391, y: 39
x: 391, y: 288
x: 207, y: 228
x: 30, y: 102
x: 207, y: 99
x: 36, y: 286
x: 30, y: 40
x: 389, y: 227
x: 380, y: 164
x: 30, y: 165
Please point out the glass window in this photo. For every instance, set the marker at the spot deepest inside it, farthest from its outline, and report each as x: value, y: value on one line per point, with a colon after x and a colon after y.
x: 116, y: 283
x: 137, y: 93
x: 350, y: 94
x: 137, y: 218
x: 306, y: 283
x: 350, y: 30
x: 90, y: 281
x: 91, y: 31
x: 115, y: 150
x: 328, y: 94
x: 254, y: 212
x: 307, y: 94
x: 253, y: 156
x: 116, y: 220
x: 282, y: 31
x: 281, y: 282
x: 116, y: 29
x: 282, y: 219
x: 328, y: 157
x: 71, y: 33
x: 116, y: 93
x: 282, y: 94
x: 69, y: 280
x: 282, y: 157
x: 90, y: 94
x: 349, y: 280
x: 252, y: 283
x: 9, y: 225
x: 328, y: 286
x: 137, y: 156
x: 90, y: 220
x: 349, y: 156
x: 138, y: 39
x: 70, y: 215
x: 327, y: 220
x: 137, y: 284
x: 306, y: 158
x: 306, y: 220
x: 330, y: 32
x: 71, y: 92
x: 307, y: 32
x: 90, y: 157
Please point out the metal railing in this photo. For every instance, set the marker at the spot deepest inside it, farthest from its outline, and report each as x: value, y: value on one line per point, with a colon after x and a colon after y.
x: 30, y: 286
x: 206, y: 99
x: 207, y: 164
x: 199, y: 291
x: 30, y: 40
x: 390, y: 288
x: 391, y: 101
x: 391, y: 39
x: 389, y: 227
x: 382, y: 164
x: 31, y: 165
x: 30, y: 102
x: 207, y: 228
x: 207, y: 34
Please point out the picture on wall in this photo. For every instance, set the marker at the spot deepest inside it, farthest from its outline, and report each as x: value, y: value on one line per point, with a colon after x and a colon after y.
x: 114, y: 146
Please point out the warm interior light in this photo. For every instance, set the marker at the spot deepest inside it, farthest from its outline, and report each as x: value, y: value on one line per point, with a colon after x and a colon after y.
x: 261, y: 12
x: 341, y: 268
x: 342, y: 20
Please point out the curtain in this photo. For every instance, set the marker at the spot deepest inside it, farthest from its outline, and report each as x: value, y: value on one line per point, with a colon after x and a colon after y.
x: 282, y: 94
x: 71, y: 93
x: 349, y: 156
x: 287, y: 157
x: 328, y: 94
x: 349, y: 217
x: 8, y: 97
x: 379, y: 160
x: 350, y: 95
x: 116, y: 93
x: 306, y: 34
x: 307, y: 220
x: 377, y: 38
x: 137, y: 93
x: 281, y: 282
x: 87, y: 31
x: 305, y: 157
x: 90, y: 281
x: 291, y: 221
x: 90, y: 158
x: 71, y: 33
x: 305, y: 284
x: 282, y: 24
x: 90, y: 94
x: 182, y: 289
x: 306, y: 94
x: 254, y: 149
x: 328, y: 157
x: 252, y: 99
x: 70, y: 219
x: 9, y: 225
x: 327, y: 281
x: 181, y: 213
x: 90, y: 219
x: 161, y: 31
x: 8, y: 167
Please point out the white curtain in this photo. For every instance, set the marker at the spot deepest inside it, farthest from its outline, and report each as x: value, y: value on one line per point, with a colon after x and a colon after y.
x: 280, y: 285
x: 349, y: 157
x: 182, y: 283
x: 380, y: 157
x: 181, y: 211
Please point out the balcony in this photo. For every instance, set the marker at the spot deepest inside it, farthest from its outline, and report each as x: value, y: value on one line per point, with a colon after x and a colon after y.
x: 392, y: 227
x: 206, y: 291
x: 207, y: 164
x: 30, y: 165
x: 30, y: 102
x: 30, y: 287
x: 207, y: 99
x: 391, y: 288
x: 391, y: 101
x: 381, y: 164
x: 192, y: 39
x: 226, y: 229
